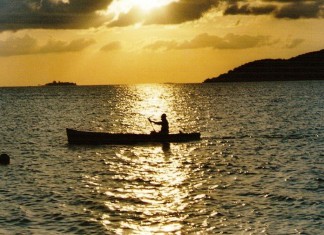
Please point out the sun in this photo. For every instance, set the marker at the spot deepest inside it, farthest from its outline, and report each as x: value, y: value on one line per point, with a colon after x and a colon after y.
x: 147, y: 5
x: 124, y: 6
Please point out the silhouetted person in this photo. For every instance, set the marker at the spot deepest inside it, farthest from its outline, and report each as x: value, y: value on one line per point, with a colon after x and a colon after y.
x: 163, y: 123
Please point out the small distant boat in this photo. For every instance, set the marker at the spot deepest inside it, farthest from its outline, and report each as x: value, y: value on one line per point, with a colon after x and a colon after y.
x: 93, y: 138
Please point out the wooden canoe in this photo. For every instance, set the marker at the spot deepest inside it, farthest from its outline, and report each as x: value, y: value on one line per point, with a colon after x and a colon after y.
x: 91, y: 138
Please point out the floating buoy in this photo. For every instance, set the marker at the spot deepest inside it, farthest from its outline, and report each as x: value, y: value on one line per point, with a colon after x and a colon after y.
x: 4, y: 159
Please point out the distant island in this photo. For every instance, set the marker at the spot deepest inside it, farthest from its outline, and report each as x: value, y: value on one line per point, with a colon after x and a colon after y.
x: 309, y: 66
x: 55, y: 83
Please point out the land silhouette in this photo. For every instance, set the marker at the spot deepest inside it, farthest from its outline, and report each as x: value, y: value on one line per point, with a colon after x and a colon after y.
x: 59, y: 83
x: 309, y: 66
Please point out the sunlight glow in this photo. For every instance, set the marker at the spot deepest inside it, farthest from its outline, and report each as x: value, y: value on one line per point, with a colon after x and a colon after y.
x: 148, y: 101
x: 124, y: 6
x: 151, y: 99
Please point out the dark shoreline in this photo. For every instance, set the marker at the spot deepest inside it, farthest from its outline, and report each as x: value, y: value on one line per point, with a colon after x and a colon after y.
x: 309, y: 66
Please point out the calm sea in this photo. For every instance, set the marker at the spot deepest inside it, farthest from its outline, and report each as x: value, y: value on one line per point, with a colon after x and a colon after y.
x: 257, y: 170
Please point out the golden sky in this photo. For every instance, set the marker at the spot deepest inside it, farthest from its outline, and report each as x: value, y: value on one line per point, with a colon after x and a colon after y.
x: 149, y: 41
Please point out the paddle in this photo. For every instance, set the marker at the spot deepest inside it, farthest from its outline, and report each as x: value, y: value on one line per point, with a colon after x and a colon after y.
x: 151, y: 123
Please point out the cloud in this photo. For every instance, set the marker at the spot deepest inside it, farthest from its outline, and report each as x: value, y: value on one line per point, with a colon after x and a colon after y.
x: 18, y: 46
x: 54, y: 46
x: 181, y: 11
x: 299, y: 9
x: 135, y: 15
x: 174, y: 13
x: 82, y: 14
x: 248, y: 9
x: 27, y: 45
x: 163, y: 45
x: 294, y: 43
x: 78, y: 14
x: 230, y: 41
x: 290, y: 9
x: 111, y: 46
x: 52, y: 14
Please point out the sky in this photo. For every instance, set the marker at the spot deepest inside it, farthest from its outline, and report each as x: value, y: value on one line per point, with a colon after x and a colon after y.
x: 99, y: 42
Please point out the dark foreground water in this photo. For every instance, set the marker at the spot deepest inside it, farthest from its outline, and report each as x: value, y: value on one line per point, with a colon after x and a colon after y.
x: 257, y: 170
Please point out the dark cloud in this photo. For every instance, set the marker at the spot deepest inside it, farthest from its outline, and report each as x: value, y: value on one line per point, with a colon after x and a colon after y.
x: 298, y: 9
x: 247, y: 9
x: 22, y: 14
x: 230, y: 41
x: 189, y: 10
x: 174, y: 13
x: 182, y: 11
x: 291, y: 9
x: 78, y: 14
x: 27, y: 45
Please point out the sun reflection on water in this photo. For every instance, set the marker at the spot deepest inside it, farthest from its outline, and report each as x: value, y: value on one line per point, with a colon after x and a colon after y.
x: 148, y: 189
x: 146, y: 101
x: 152, y: 99
x: 153, y: 190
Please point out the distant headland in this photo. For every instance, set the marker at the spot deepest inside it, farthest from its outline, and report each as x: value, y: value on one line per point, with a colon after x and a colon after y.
x: 55, y: 83
x: 309, y: 66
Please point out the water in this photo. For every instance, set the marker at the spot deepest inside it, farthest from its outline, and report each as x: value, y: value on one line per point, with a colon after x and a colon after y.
x: 257, y: 170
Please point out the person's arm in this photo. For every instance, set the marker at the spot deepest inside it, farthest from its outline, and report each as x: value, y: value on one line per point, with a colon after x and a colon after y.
x: 158, y: 123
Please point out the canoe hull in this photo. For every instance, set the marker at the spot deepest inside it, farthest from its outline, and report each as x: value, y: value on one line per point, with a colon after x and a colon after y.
x: 92, y: 138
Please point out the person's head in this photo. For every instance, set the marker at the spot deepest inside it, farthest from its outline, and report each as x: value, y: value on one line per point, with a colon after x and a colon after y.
x: 163, y: 116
